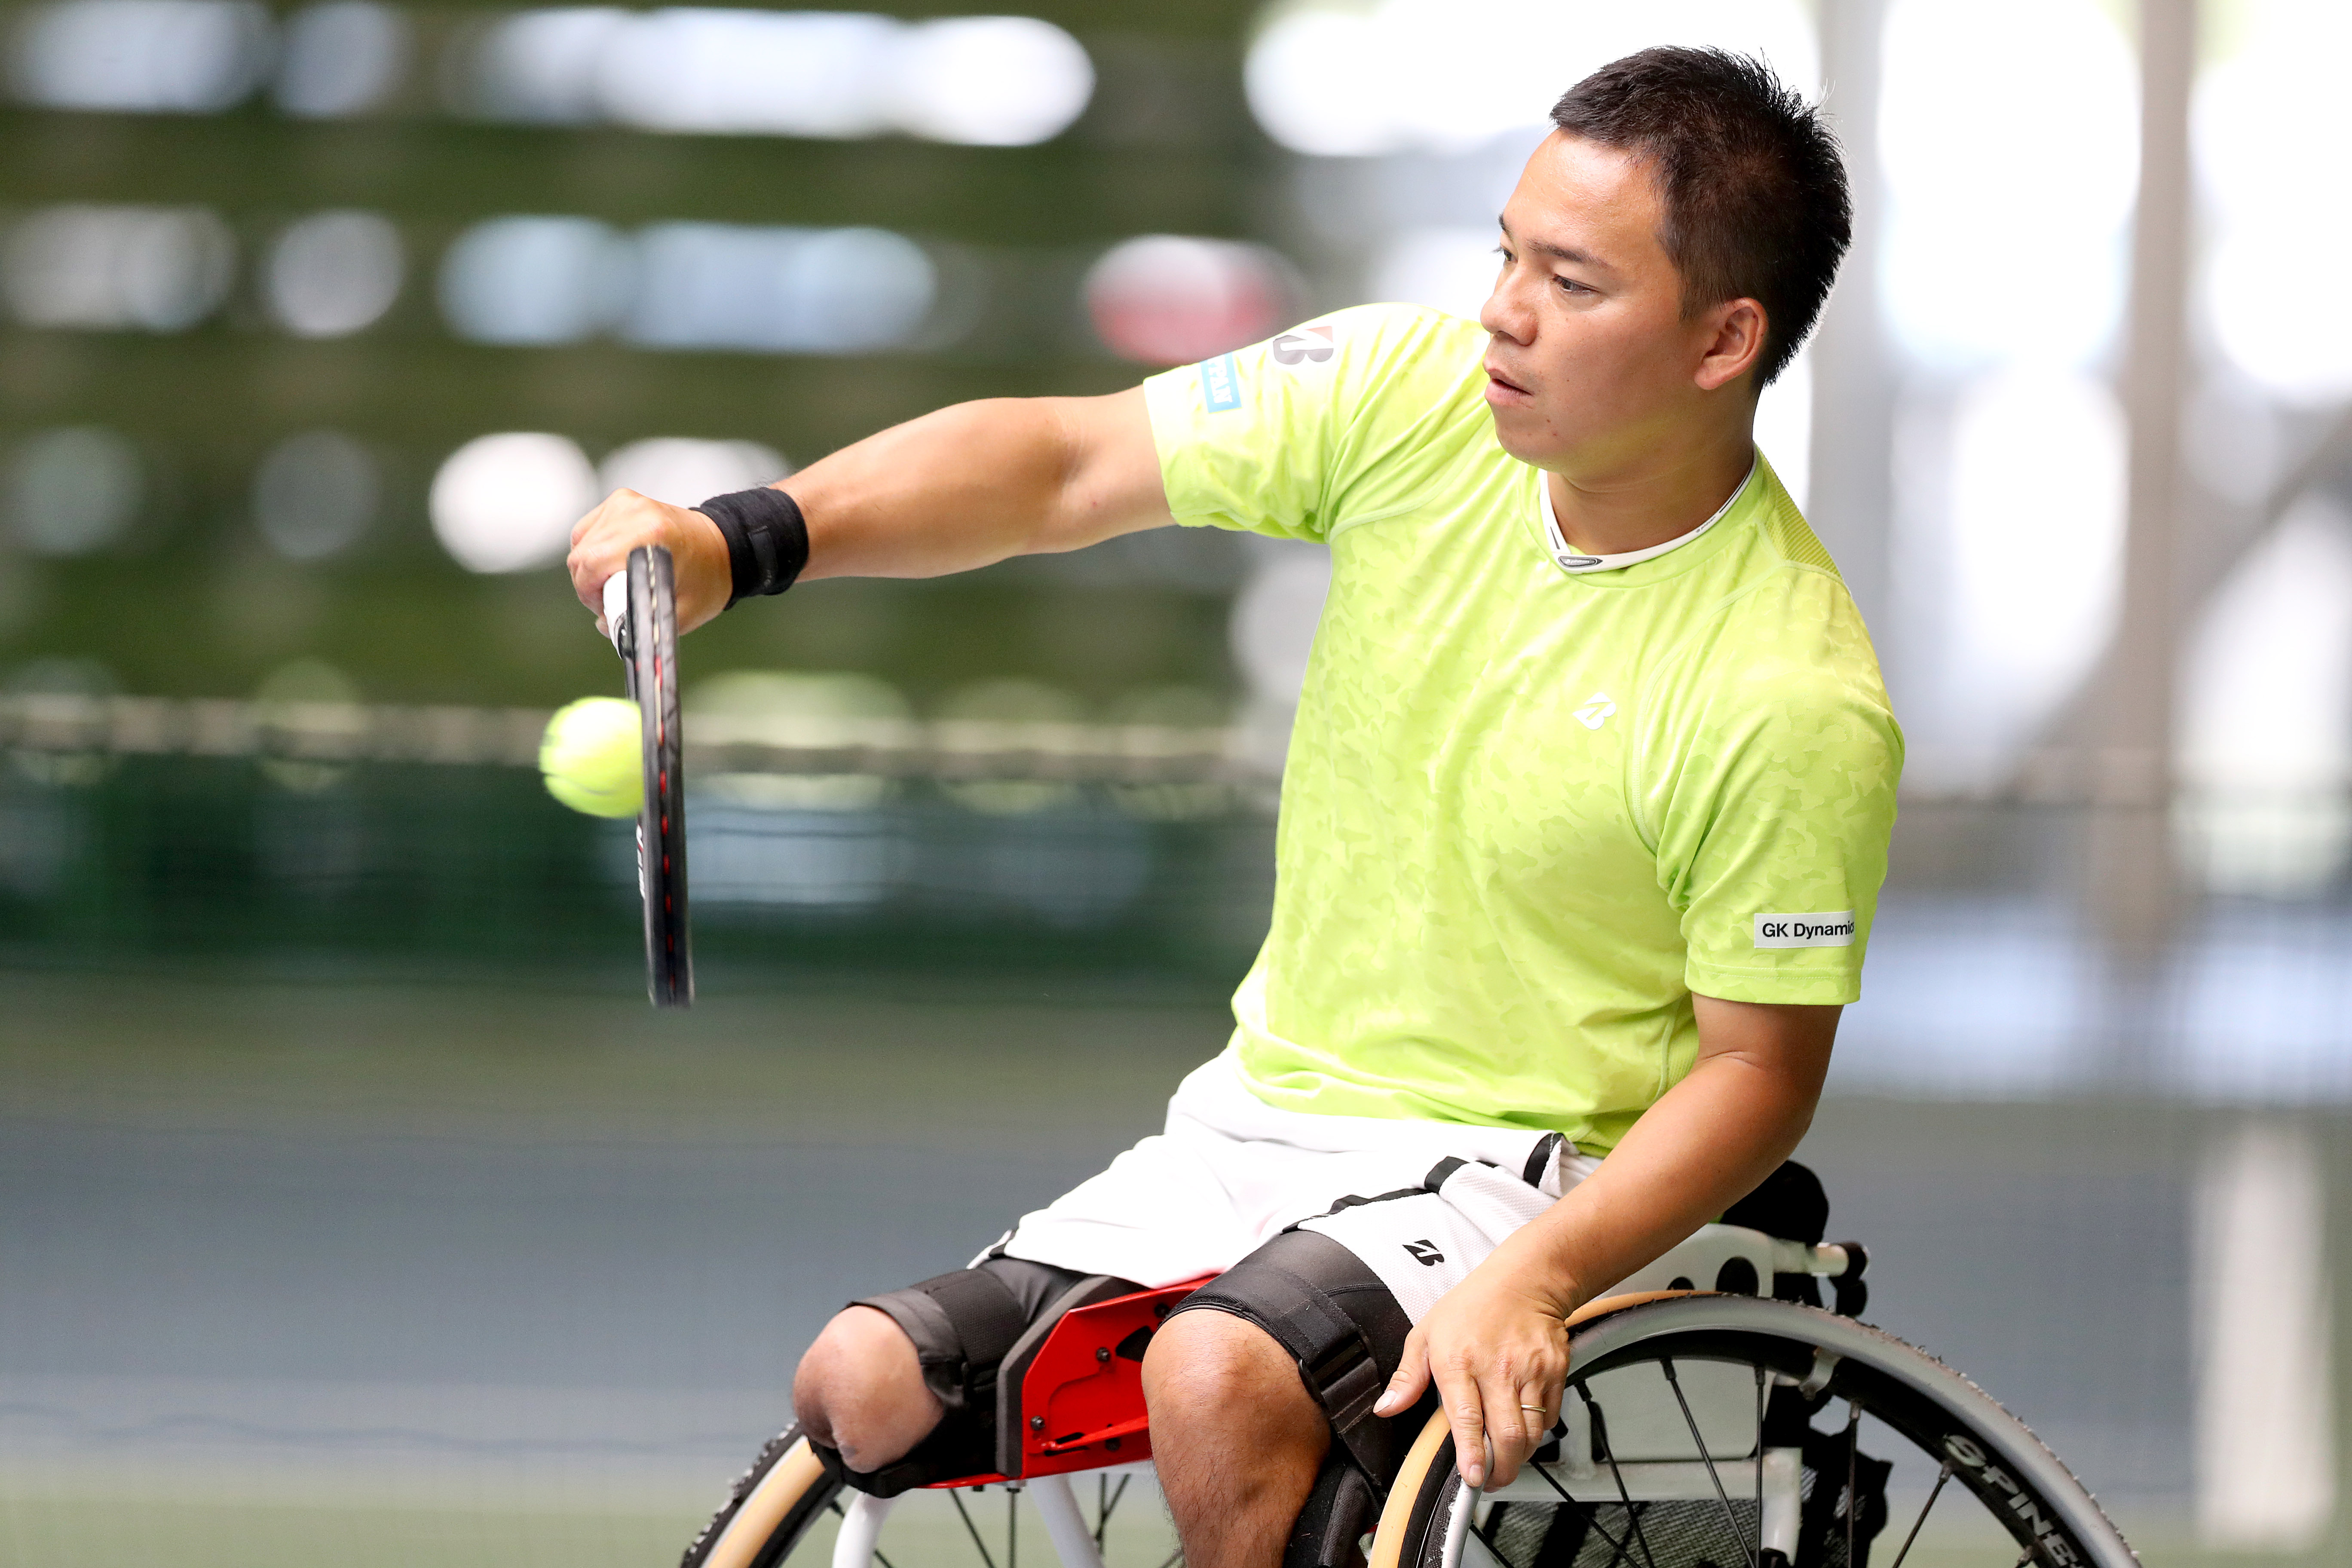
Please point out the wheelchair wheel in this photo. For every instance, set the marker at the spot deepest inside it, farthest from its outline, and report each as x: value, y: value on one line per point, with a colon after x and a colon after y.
x: 787, y: 1510
x: 1737, y: 1432
x: 769, y: 1508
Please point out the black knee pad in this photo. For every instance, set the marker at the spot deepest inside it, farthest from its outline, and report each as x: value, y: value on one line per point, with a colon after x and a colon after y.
x: 1340, y: 1324
x: 962, y: 1324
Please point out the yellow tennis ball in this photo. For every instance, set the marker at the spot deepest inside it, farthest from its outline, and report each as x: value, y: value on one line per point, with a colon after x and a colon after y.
x: 592, y: 756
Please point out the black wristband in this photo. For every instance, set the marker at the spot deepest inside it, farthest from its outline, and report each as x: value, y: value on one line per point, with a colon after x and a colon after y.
x: 767, y: 539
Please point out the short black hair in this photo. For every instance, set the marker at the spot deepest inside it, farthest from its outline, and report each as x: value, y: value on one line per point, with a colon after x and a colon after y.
x: 1751, y: 177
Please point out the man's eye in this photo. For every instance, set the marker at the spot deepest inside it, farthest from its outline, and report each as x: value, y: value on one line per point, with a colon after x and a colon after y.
x: 1573, y: 286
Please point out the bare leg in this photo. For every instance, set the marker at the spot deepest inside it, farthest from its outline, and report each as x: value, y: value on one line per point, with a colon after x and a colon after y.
x: 1235, y: 1436
x: 860, y: 1390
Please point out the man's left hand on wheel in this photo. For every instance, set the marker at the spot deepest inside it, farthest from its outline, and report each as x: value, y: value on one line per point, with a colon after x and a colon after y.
x: 1499, y: 1352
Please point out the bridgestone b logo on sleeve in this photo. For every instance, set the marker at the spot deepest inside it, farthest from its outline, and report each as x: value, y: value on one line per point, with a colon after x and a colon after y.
x: 1805, y: 930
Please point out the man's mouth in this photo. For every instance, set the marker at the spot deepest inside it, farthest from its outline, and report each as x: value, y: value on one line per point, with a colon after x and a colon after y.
x: 1499, y: 379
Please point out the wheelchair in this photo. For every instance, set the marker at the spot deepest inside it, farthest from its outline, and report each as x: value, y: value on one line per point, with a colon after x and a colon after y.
x: 1716, y: 1417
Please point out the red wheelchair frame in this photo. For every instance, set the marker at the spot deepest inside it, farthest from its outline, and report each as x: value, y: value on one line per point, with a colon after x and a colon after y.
x: 1076, y: 1402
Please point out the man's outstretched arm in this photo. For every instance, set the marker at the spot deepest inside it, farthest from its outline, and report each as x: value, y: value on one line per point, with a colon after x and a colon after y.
x: 958, y: 489
x: 1497, y: 1343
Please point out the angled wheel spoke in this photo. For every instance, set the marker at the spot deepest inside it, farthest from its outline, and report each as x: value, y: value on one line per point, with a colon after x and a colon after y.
x: 1174, y: 1558
x: 1853, y: 1489
x: 1759, y: 1464
x: 1600, y: 1437
x: 1934, y: 1492
x: 1012, y: 1528
x: 1107, y: 1503
x: 1713, y: 1475
x: 1617, y: 1553
x: 1590, y: 1517
x: 970, y: 1529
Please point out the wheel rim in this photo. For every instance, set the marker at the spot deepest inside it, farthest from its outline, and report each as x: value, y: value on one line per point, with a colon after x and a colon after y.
x: 1967, y: 1484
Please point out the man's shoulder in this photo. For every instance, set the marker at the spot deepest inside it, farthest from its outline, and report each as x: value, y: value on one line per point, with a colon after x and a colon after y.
x: 1409, y: 397
x: 1402, y: 327
x: 1393, y: 353
x: 1343, y: 363
x: 1782, y: 642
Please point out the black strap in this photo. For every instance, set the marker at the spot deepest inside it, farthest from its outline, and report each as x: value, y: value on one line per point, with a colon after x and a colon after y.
x: 767, y: 539
x: 1540, y: 1157
x: 985, y: 1314
x: 1334, y: 1359
x: 920, y: 1468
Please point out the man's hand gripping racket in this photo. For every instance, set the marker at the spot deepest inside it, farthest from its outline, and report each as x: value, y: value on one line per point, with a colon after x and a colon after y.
x: 641, y: 609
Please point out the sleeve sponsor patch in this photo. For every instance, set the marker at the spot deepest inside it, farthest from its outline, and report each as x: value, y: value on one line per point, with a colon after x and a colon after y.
x: 1220, y: 385
x: 1835, y: 929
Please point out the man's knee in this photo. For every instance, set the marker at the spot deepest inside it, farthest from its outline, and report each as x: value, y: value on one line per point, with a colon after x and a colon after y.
x: 1212, y: 1372
x: 860, y: 1390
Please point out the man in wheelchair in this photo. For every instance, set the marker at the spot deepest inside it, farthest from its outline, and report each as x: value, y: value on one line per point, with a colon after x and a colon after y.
x: 1583, y: 820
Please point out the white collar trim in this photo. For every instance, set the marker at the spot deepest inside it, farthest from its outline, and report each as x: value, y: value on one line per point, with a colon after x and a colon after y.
x: 1576, y: 562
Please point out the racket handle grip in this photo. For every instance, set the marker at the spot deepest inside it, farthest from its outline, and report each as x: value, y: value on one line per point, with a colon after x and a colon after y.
x: 617, y: 611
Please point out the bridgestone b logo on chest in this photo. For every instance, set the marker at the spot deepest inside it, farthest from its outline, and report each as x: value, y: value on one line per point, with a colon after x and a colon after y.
x: 1805, y: 930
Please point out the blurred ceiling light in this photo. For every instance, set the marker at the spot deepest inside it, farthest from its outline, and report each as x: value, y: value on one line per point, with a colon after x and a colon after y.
x: 534, y: 280
x: 685, y: 472
x: 342, y: 58
x: 2035, y: 541
x: 316, y: 494
x: 2267, y: 126
x: 507, y: 502
x: 1319, y: 80
x: 1966, y: 186
x: 162, y: 269
x: 1357, y: 77
x: 538, y: 68
x: 1445, y: 268
x: 333, y: 274
x: 787, y: 73
x: 805, y: 290
x: 982, y: 80
x: 989, y: 81
x: 72, y: 491
x: 140, y: 57
x: 1164, y: 298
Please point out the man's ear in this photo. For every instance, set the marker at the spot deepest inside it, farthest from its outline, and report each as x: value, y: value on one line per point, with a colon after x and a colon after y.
x: 1736, y: 344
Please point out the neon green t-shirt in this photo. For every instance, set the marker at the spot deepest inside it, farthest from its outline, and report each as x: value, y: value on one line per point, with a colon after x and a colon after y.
x: 1525, y: 812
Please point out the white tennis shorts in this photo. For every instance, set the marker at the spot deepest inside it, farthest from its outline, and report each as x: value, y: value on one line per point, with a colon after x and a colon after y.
x: 1421, y: 1203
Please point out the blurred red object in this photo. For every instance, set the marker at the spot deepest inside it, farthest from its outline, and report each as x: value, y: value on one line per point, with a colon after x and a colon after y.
x: 1167, y: 299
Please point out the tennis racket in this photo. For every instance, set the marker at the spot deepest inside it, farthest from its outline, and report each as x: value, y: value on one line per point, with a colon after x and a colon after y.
x: 641, y: 608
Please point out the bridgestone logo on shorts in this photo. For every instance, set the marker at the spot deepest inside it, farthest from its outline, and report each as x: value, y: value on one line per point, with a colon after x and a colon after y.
x: 1805, y: 930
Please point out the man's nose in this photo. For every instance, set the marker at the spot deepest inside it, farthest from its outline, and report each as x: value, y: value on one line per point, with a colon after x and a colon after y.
x: 1505, y: 314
